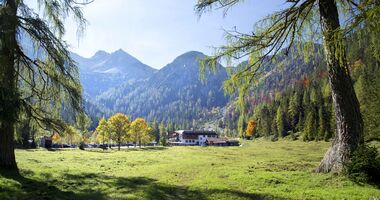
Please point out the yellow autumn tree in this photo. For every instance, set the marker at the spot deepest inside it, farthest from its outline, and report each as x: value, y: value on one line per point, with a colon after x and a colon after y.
x: 251, y: 129
x: 119, y: 125
x: 103, y: 131
x: 140, y: 131
x: 56, y: 138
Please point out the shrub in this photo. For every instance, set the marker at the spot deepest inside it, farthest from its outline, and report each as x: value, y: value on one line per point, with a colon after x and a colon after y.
x: 163, y: 141
x: 82, y: 146
x: 293, y: 135
x: 365, y: 165
x: 273, y: 138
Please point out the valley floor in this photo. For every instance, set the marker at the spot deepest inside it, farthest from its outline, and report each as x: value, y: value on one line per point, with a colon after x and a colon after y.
x: 256, y: 170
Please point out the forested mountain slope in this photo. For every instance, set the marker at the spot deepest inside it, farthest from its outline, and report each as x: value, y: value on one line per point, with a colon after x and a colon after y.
x: 174, y: 93
x: 293, y: 98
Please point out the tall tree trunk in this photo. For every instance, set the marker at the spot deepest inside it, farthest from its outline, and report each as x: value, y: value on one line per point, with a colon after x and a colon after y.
x: 8, y: 87
x: 135, y: 141
x: 349, y: 123
x: 7, y: 155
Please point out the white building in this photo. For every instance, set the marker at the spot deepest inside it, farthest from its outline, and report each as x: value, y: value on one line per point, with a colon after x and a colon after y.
x: 188, y: 137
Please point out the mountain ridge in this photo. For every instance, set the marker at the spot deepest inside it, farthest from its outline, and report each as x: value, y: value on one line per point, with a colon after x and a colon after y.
x: 104, y: 70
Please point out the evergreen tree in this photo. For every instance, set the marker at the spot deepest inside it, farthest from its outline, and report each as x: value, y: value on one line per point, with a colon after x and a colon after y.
x: 293, y: 111
x: 241, y: 126
x: 286, y: 27
x: 36, y: 85
x: 367, y: 87
x: 274, y: 129
x: 156, y: 131
x: 280, y: 122
x: 162, y: 130
x: 310, y: 128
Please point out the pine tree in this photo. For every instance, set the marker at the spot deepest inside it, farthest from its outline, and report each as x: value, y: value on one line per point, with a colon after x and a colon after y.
x: 241, y: 126
x: 310, y: 127
x: 274, y: 129
x: 293, y: 112
x: 162, y: 130
x: 280, y: 122
x: 156, y: 131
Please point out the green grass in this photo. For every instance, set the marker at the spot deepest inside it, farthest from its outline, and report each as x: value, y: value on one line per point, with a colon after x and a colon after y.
x: 256, y: 170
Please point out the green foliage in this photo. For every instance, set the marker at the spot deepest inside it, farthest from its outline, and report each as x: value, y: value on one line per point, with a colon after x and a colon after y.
x: 72, y: 135
x: 82, y: 146
x: 365, y: 165
x: 156, y: 131
x: 310, y: 127
x: 163, y: 141
x: 367, y: 86
x: 242, y: 126
x: 162, y: 130
x: 103, y: 131
x: 295, y: 26
x: 48, y: 85
x: 300, y: 109
x: 280, y: 122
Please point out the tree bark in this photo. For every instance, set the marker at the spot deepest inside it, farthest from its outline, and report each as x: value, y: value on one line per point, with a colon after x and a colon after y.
x: 9, y: 98
x: 349, y: 123
x: 7, y: 154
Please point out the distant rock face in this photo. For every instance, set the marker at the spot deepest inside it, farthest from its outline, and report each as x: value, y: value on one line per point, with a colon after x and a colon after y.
x: 105, y: 70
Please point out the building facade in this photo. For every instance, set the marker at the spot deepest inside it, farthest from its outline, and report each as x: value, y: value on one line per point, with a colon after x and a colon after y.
x: 189, y: 137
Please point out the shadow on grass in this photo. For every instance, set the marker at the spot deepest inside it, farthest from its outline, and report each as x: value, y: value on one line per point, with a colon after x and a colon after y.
x: 26, y: 188
x: 148, y: 188
x: 146, y: 148
x: 99, y: 187
x: 124, y: 149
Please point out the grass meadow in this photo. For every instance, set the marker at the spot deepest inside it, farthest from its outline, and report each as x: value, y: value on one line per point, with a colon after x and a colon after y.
x: 255, y: 170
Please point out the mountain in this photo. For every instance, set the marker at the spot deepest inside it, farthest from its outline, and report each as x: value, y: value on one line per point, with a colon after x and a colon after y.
x: 105, y: 70
x: 174, y: 93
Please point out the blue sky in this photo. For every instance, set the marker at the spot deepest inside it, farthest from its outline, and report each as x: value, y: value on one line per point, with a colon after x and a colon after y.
x: 157, y: 31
